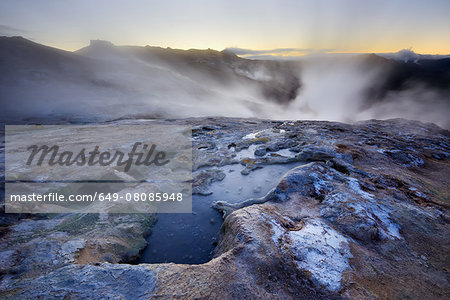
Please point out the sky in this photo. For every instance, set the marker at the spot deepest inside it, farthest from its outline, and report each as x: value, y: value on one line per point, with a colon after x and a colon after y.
x: 282, y: 27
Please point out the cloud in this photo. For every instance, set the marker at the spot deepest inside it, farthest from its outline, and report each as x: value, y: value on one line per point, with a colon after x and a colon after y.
x: 407, y: 55
x: 242, y: 51
x: 277, y: 53
x: 8, y: 30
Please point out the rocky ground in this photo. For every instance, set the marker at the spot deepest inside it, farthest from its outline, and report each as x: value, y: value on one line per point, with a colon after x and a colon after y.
x: 365, y: 216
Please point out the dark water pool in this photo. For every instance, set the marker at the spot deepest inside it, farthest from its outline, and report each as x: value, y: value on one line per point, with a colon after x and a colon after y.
x: 191, y: 238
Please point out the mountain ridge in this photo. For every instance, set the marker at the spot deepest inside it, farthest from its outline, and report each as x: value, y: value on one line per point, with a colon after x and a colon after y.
x: 94, y: 81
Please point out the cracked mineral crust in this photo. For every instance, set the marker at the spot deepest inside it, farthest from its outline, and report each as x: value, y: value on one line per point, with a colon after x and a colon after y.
x: 364, y: 215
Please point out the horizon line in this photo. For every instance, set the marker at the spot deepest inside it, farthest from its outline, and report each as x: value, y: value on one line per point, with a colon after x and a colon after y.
x: 262, y: 53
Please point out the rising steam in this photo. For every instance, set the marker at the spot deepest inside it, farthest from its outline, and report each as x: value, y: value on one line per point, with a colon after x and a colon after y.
x: 104, y: 82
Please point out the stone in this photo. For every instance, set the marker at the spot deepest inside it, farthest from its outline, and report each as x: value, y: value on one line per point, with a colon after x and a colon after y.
x: 363, y: 214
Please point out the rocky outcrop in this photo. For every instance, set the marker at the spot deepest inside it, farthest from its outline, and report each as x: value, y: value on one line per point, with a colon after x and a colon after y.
x: 35, y: 246
x: 364, y: 215
x: 352, y: 241
x: 105, y: 281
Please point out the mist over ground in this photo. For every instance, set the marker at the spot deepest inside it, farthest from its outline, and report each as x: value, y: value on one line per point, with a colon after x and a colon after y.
x: 105, y: 82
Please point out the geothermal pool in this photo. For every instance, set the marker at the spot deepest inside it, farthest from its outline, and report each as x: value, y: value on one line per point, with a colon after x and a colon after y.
x: 191, y: 238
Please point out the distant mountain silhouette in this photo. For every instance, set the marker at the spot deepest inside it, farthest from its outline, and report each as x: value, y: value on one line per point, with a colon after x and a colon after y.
x: 96, y: 81
x: 280, y: 84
